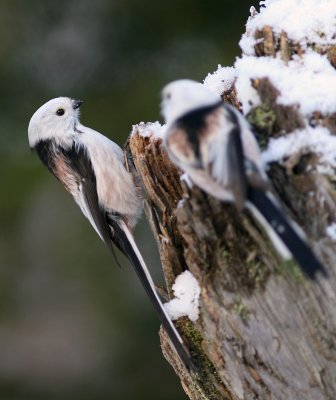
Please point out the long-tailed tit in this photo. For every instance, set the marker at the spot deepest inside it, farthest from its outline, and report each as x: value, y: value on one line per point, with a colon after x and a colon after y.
x: 91, y: 167
x: 213, y: 143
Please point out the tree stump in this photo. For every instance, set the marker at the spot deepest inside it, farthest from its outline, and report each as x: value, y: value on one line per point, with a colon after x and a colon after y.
x: 265, y: 331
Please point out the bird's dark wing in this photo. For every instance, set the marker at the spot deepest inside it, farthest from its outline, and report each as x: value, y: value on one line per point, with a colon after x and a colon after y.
x: 183, y: 147
x: 79, y: 162
x: 209, y: 139
x: 184, y: 138
x: 47, y: 152
x: 72, y: 166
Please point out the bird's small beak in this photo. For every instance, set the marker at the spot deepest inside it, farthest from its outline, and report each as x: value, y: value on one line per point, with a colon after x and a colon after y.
x: 76, y: 104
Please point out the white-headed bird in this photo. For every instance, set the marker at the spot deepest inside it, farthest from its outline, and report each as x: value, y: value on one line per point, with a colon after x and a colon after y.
x: 91, y: 167
x: 213, y: 143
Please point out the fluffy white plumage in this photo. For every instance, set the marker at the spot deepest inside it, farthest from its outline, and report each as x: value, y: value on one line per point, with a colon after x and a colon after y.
x: 46, y: 124
x: 115, y: 187
x: 91, y: 167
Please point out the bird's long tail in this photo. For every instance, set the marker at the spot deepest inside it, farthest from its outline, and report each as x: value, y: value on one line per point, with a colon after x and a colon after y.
x: 266, y: 211
x: 128, y: 246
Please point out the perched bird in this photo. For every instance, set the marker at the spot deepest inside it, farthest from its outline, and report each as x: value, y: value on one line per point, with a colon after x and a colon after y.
x: 213, y: 143
x: 91, y: 167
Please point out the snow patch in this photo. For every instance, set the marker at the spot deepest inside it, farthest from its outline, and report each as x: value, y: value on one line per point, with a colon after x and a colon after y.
x: 313, y: 21
x: 148, y: 129
x: 308, y: 82
x: 186, y: 302
x: 247, y: 44
x: 221, y: 80
x: 331, y: 231
x: 317, y: 140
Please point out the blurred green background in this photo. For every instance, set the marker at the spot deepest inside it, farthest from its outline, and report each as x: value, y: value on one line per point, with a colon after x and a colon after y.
x: 72, y: 324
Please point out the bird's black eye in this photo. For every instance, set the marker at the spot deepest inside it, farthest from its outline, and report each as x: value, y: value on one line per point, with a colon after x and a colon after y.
x: 60, y: 111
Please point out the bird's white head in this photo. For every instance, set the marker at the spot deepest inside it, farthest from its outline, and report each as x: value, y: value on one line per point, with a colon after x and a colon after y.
x: 180, y: 97
x: 56, y: 119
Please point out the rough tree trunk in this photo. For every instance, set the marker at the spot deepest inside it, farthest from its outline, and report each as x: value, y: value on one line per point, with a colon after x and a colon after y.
x: 265, y: 331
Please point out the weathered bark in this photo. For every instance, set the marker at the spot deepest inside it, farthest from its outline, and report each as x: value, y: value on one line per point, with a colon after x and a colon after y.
x: 264, y: 331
